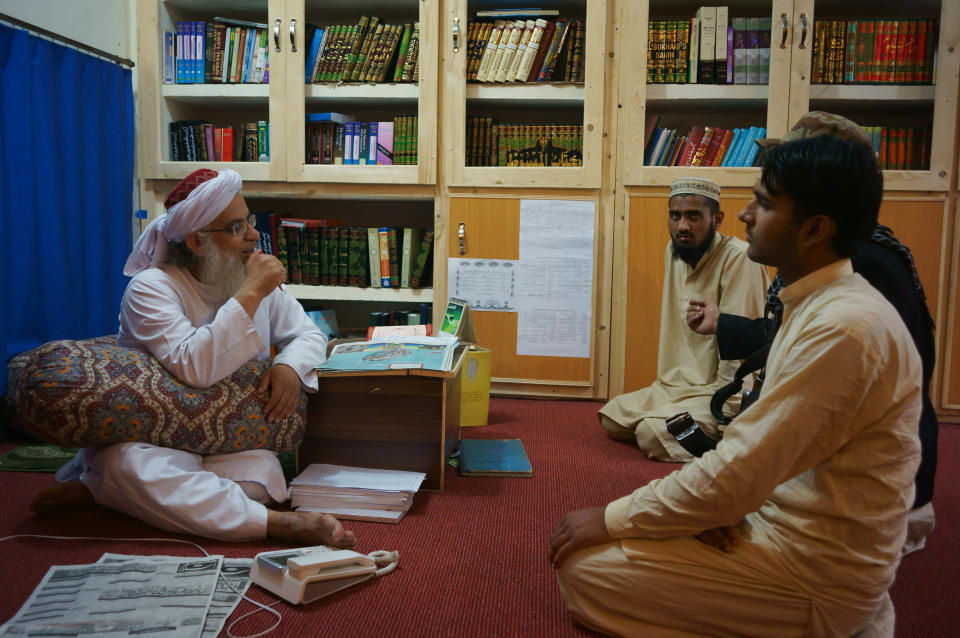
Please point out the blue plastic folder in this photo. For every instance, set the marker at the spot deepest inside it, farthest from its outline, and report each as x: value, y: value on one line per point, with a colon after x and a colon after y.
x: 494, y: 457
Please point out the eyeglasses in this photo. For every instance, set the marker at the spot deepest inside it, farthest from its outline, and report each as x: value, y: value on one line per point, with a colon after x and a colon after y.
x: 238, y: 228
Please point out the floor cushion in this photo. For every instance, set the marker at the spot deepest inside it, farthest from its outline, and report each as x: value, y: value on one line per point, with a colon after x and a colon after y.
x: 93, y: 392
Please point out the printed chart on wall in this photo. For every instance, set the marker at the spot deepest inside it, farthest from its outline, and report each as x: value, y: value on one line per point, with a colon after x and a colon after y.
x: 486, y: 284
x: 555, y: 287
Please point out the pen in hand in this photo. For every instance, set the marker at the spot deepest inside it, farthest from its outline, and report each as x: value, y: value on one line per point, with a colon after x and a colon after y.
x: 280, y: 286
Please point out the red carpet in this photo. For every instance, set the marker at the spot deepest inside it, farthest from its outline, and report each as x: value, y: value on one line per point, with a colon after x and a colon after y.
x: 474, y: 557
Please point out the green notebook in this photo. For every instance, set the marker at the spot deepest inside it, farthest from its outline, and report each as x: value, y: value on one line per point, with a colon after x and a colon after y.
x: 494, y: 457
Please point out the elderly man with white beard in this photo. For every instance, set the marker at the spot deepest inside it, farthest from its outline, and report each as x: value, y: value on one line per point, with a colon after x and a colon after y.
x: 204, y: 301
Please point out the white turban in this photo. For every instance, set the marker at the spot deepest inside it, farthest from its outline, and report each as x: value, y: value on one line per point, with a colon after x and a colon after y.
x: 203, y: 205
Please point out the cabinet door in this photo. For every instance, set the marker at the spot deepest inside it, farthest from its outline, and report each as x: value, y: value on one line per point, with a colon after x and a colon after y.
x: 661, y: 102
x: 519, y: 133
x: 231, y: 104
x: 918, y: 223
x: 949, y: 359
x: 892, y: 91
x: 638, y: 286
x: 492, y: 231
x: 409, y: 107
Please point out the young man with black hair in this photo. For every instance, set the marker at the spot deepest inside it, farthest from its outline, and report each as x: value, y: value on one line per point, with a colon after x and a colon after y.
x: 889, y: 267
x: 819, y: 472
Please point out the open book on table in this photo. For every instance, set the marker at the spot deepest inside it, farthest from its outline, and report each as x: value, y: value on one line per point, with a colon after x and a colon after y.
x: 393, y: 353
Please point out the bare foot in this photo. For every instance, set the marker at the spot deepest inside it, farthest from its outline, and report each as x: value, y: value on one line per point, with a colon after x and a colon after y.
x: 308, y: 528
x: 61, y: 496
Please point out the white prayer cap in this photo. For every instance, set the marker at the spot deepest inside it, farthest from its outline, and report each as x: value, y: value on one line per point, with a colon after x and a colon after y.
x: 196, y: 201
x: 696, y: 186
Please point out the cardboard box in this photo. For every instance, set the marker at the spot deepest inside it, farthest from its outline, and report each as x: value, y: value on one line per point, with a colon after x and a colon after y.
x: 475, y: 387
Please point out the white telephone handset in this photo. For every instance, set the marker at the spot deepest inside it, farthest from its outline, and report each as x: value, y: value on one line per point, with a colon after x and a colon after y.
x: 306, y: 574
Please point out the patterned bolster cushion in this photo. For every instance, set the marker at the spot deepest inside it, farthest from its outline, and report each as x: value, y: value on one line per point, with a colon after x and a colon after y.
x: 95, y: 393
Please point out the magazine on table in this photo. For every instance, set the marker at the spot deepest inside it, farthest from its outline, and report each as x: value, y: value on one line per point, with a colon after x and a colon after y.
x: 393, y: 353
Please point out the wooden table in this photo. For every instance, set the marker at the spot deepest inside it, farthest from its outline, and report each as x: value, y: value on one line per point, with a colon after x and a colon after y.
x: 385, y: 419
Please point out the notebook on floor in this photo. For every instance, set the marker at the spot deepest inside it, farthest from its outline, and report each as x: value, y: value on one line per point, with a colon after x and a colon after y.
x: 494, y: 457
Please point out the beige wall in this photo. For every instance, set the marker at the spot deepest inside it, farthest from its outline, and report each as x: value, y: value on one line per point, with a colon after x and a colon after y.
x: 104, y: 24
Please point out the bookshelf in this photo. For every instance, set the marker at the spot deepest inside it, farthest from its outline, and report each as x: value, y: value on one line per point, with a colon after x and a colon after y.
x: 611, y: 103
x: 919, y: 203
x: 286, y: 98
x: 570, y: 104
x: 790, y: 93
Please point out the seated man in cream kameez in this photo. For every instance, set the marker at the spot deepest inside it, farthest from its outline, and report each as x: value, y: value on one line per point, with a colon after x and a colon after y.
x: 700, y: 263
x: 793, y: 525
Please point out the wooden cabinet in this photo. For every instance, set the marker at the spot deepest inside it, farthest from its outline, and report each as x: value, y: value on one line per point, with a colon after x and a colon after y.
x: 612, y: 104
x: 286, y: 99
x: 919, y: 222
x: 949, y: 326
x: 491, y: 231
x: 789, y: 94
x: 552, y: 103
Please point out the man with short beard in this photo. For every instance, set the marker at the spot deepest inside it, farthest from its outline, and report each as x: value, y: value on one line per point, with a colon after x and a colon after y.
x: 699, y: 262
x: 204, y: 301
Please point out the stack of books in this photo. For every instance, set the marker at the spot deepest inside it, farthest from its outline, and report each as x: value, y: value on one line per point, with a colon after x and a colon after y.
x: 355, y: 493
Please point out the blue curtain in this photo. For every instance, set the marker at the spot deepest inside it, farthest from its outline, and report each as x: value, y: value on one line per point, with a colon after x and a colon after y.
x: 66, y: 192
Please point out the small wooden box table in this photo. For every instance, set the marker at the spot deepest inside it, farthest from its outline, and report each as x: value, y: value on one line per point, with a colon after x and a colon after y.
x: 385, y: 419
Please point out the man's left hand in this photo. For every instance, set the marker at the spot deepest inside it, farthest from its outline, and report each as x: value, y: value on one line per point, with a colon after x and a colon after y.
x: 576, y: 530
x: 282, y: 384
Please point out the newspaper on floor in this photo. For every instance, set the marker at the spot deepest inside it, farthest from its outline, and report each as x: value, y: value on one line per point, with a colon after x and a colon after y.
x: 128, y: 598
x: 227, y: 595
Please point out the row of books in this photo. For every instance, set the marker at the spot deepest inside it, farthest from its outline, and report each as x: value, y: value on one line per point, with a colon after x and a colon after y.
x: 322, y: 252
x: 709, y: 48
x: 198, y: 141
x: 703, y: 146
x: 490, y: 143
x: 901, y: 148
x: 402, y: 317
x: 873, y: 52
x: 335, y: 138
x: 369, y: 51
x: 525, y: 50
x: 219, y: 52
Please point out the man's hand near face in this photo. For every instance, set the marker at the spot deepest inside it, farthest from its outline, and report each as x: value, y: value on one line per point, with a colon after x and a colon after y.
x: 576, y: 530
x: 702, y: 316
x: 281, y: 385
x: 263, y: 274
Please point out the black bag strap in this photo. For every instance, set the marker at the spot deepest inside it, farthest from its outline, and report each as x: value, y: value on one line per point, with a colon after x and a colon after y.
x: 754, y: 362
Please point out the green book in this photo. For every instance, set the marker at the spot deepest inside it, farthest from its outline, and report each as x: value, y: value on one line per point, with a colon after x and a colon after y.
x: 423, y: 256
x: 343, y: 258
x: 333, y: 247
x: 373, y: 252
x: 393, y: 247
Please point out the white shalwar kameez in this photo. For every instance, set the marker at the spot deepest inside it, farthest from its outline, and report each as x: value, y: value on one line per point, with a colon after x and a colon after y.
x: 821, y: 470
x: 201, y: 340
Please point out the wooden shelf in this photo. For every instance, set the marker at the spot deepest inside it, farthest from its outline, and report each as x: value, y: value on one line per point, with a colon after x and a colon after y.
x: 894, y: 94
x: 242, y: 95
x: 178, y: 170
x: 352, y: 293
x: 532, y: 93
x: 707, y: 92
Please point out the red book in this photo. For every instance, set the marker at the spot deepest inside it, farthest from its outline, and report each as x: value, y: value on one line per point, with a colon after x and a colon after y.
x: 227, y: 141
x: 701, y: 149
x: 217, y: 145
x: 714, y: 147
x: 545, y: 41
x: 693, y: 141
x: 724, y: 147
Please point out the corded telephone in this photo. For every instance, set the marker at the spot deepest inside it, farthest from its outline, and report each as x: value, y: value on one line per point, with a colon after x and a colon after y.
x: 306, y: 574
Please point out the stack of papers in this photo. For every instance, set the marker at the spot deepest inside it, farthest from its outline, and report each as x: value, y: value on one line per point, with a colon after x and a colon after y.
x: 393, y: 353
x: 355, y: 493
